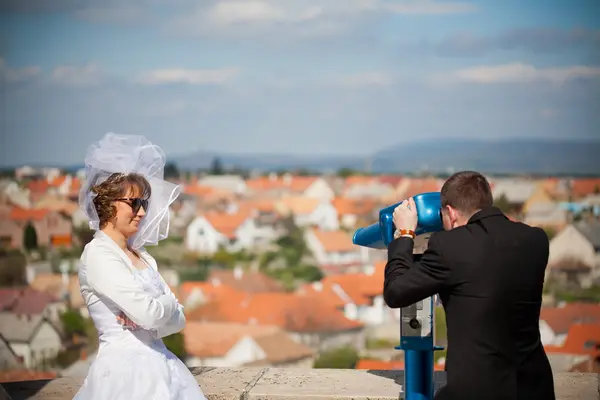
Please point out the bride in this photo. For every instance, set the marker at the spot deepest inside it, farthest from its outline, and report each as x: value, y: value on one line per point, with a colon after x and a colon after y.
x: 127, y: 202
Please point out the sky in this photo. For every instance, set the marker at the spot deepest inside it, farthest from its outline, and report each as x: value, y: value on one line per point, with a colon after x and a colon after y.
x: 343, y: 77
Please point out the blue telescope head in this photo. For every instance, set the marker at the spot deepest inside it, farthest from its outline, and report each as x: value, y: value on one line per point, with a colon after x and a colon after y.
x: 380, y: 234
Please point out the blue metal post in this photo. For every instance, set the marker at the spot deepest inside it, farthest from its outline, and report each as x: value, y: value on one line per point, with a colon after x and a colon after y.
x: 417, y: 335
x: 417, y: 322
x: 419, y: 374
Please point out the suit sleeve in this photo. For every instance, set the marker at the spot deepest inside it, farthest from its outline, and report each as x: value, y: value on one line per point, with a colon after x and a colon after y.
x: 407, y: 282
x: 109, y: 277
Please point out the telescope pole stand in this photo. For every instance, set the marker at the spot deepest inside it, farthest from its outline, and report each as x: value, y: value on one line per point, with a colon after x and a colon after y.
x: 417, y: 324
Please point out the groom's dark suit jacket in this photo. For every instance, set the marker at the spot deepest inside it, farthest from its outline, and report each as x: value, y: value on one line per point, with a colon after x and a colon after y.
x: 489, y: 275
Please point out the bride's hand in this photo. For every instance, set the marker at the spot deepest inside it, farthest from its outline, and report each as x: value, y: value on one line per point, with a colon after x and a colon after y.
x: 124, y: 321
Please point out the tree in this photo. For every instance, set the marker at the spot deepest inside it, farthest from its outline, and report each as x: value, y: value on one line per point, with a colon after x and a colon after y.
x: 176, y: 344
x: 171, y: 171
x: 73, y: 323
x: 196, y: 273
x: 304, y: 172
x: 346, y: 172
x: 83, y: 234
x: 12, y: 268
x: 550, y: 232
x: 224, y: 258
x: 503, y: 204
x: 340, y: 358
x: 216, y: 167
x: 30, y: 240
x: 308, y: 273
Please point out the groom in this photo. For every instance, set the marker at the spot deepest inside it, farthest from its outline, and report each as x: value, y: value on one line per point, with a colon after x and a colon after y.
x: 489, y: 273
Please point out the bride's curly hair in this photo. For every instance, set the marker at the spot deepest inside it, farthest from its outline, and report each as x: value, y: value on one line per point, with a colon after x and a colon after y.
x: 117, y: 186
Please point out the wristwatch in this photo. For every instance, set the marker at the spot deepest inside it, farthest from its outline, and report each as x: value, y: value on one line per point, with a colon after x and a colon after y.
x: 404, y: 232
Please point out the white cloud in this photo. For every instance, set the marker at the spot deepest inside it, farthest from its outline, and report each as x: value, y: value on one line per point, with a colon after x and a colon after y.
x: 518, y: 73
x: 304, y: 17
x: 233, y: 12
x: 79, y: 76
x: 424, y: 7
x: 188, y: 76
x: 12, y: 75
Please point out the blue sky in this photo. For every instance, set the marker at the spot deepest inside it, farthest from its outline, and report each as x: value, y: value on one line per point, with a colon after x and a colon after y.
x: 301, y: 76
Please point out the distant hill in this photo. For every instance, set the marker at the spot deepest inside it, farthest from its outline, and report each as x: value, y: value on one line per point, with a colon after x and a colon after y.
x: 268, y: 161
x: 501, y: 156
x: 535, y: 156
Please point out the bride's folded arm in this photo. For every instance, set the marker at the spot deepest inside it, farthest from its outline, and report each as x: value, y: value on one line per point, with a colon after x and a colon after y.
x: 177, y: 321
x: 110, y: 277
x: 175, y: 324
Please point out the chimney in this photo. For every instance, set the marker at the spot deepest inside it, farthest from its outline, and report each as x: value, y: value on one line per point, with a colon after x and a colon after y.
x: 318, y: 286
x: 231, y: 208
x: 238, y: 272
x: 272, y: 176
x: 30, y: 274
x: 83, y: 354
x: 287, y: 179
x: 215, y: 282
x: 64, y: 268
x: 364, y: 255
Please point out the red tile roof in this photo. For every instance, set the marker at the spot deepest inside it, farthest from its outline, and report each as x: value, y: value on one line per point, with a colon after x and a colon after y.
x: 25, y: 375
x: 582, y: 339
x: 25, y: 301
x: 387, y: 365
x: 288, y: 311
x: 22, y: 214
x: 560, y: 319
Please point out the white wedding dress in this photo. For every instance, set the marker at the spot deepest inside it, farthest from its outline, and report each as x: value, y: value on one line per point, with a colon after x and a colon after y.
x: 131, y: 364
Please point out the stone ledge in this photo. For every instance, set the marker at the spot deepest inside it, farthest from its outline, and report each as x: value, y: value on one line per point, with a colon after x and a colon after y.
x: 296, y: 384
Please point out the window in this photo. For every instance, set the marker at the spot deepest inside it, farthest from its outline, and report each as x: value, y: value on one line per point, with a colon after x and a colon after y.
x: 52, y: 221
x: 201, y: 231
x: 591, y: 344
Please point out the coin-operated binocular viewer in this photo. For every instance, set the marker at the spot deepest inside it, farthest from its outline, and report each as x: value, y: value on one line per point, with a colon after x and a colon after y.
x: 417, y: 321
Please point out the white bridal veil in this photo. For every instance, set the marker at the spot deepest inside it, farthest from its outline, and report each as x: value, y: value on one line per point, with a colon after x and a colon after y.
x: 131, y: 154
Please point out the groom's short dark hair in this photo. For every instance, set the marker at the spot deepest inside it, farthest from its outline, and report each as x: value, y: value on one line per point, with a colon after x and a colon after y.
x: 467, y: 192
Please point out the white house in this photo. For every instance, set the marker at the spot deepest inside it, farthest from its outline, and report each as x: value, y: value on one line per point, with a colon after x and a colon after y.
x: 575, y: 253
x: 309, y: 212
x: 351, y: 211
x: 546, y: 214
x: 358, y: 295
x: 332, y: 247
x: 234, y: 231
x: 224, y: 344
x: 8, y: 358
x: 319, y: 189
x: 31, y: 337
x: 370, y: 189
x: 306, y: 186
x: 12, y: 193
x: 230, y: 183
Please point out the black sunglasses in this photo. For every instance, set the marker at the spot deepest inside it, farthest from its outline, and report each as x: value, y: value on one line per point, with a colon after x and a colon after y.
x: 135, y: 203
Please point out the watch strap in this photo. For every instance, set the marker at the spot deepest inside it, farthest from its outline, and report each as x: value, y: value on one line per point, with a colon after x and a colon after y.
x: 404, y: 232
